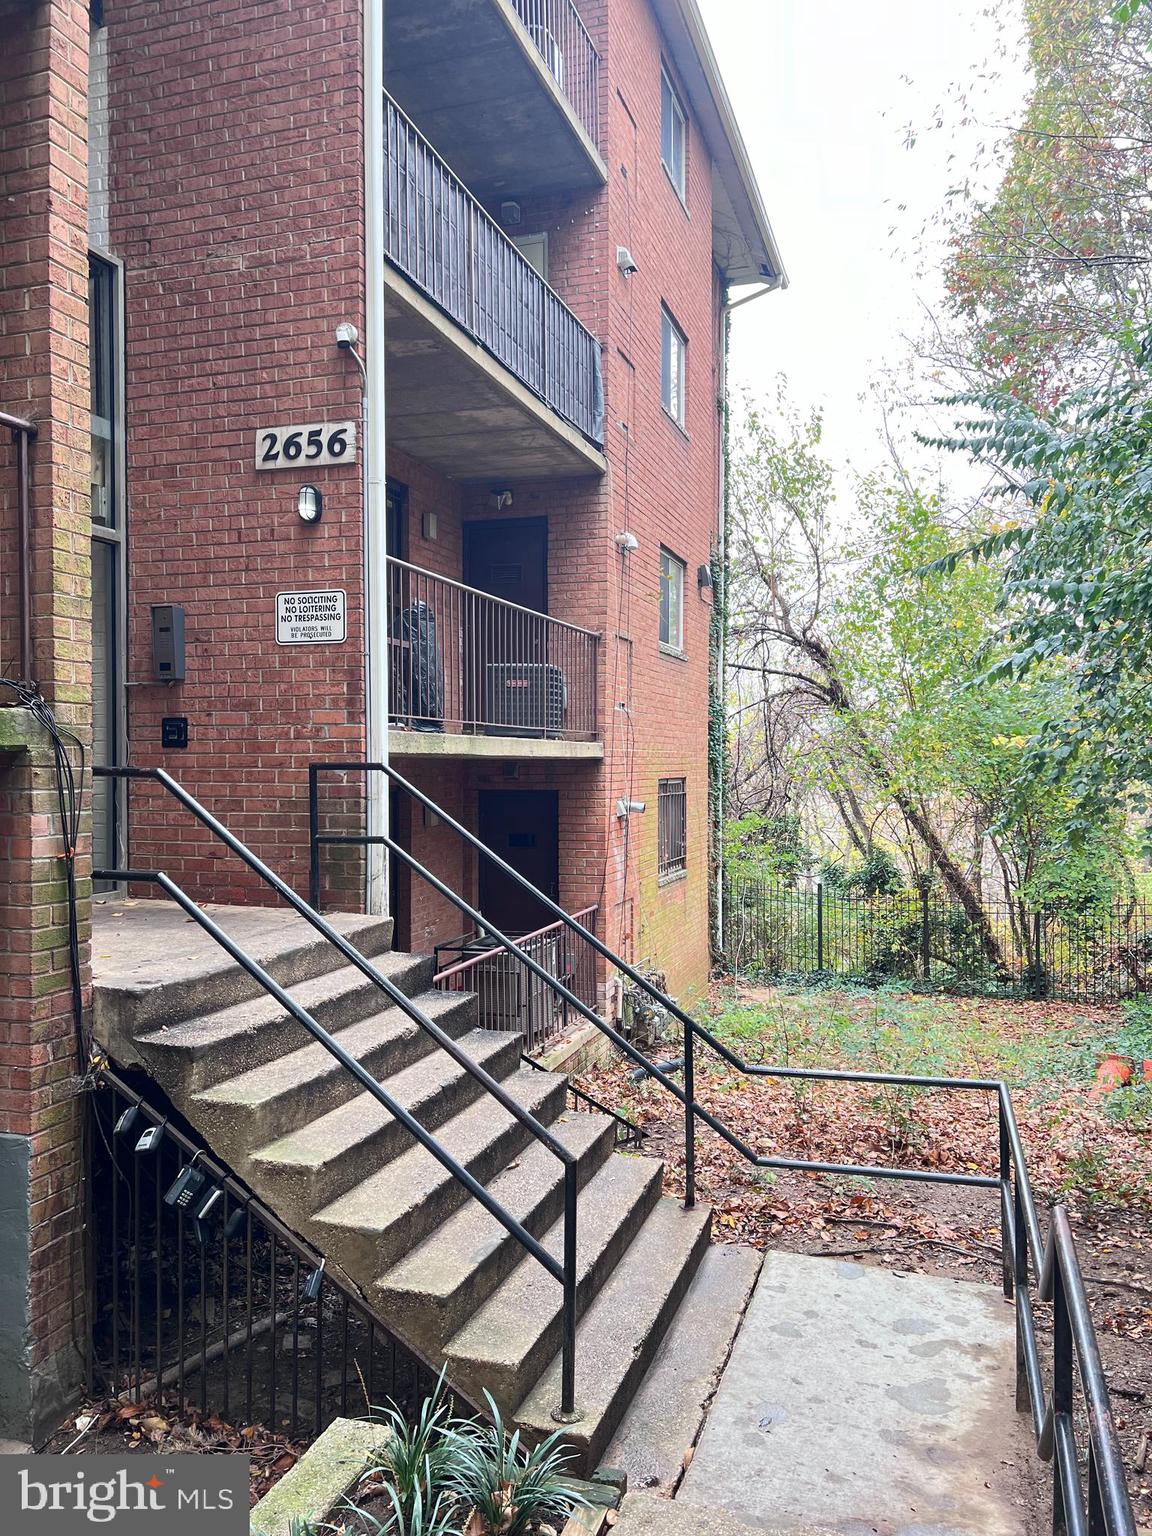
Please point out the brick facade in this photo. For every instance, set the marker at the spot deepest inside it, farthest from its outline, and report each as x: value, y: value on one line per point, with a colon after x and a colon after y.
x: 43, y: 376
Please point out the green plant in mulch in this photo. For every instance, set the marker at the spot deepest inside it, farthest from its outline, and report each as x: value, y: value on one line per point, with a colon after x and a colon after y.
x: 437, y: 1475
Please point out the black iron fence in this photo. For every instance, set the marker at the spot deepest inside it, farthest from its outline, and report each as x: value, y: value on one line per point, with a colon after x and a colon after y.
x: 440, y: 237
x: 465, y: 661
x: 1099, y: 955
x: 200, y: 1296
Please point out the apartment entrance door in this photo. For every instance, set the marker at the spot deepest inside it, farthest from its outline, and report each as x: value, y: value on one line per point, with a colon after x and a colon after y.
x: 523, y: 827
x: 508, y: 558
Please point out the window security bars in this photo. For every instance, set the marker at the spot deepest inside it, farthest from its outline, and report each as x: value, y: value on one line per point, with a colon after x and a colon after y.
x: 230, y: 1312
x: 564, y: 43
x: 510, y: 997
x: 439, y: 236
x: 672, y: 828
x: 464, y: 661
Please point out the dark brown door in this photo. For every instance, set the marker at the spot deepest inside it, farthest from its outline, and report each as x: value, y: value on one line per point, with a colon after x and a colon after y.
x: 523, y: 827
x: 399, y: 875
x: 508, y: 557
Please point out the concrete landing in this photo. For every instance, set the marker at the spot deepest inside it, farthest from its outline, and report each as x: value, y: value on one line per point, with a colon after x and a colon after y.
x: 664, y: 1417
x: 866, y: 1403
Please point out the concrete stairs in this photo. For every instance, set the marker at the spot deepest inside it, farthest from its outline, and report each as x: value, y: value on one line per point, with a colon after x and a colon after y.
x: 339, y: 1169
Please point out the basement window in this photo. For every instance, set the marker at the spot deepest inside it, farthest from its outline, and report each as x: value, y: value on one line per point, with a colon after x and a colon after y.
x: 672, y: 829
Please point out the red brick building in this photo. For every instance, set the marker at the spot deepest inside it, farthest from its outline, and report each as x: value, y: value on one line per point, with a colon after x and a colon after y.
x: 531, y: 214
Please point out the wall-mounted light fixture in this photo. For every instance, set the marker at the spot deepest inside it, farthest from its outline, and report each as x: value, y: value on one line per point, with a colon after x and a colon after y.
x: 704, y: 578
x: 501, y: 499
x: 310, y: 503
x: 627, y: 543
x: 429, y: 526
x: 626, y: 808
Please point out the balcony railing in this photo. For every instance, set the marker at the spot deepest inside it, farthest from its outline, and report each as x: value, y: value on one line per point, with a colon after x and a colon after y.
x: 569, y: 52
x: 466, y: 662
x: 439, y: 236
x: 509, y: 997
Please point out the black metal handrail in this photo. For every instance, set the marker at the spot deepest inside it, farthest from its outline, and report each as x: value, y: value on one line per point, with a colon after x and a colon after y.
x: 1108, y: 1509
x: 565, y: 1271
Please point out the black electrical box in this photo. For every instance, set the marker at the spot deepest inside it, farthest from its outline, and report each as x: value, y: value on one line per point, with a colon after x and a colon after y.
x: 168, y: 642
x: 174, y: 731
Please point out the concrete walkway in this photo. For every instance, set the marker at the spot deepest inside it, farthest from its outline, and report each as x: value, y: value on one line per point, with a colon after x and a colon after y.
x: 866, y: 1403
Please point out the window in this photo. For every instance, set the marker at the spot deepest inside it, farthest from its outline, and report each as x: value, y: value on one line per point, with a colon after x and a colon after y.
x: 673, y: 353
x: 673, y: 135
x: 672, y: 830
x: 671, y: 601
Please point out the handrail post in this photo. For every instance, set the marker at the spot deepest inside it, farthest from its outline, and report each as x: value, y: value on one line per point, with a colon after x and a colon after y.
x: 1020, y: 1270
x: 313, y: 839
x: 689, y: 1116
x: 1006, y: 1239
x: 568, y: 1413
x: 1062, y: 1356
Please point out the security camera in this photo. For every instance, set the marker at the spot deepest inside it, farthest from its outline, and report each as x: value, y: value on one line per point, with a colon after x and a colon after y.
x: 626, y: 261
x: 346, y: 335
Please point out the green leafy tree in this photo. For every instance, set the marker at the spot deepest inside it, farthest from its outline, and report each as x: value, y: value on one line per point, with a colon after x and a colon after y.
x: 1051, y: 271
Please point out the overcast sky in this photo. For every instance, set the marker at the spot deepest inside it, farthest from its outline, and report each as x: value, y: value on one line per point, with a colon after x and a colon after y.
x: 823, y: 90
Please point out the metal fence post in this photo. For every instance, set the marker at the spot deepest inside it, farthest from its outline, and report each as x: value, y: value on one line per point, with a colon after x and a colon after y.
x: 1037, y: 958
x: 689, y: 1116
x: 925, y: 952
x: 819, y: 926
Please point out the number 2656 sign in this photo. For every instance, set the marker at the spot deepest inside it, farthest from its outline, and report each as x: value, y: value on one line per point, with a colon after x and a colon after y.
x: 317, y: 442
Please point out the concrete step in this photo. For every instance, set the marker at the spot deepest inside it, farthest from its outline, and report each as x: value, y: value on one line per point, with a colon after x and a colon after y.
x: 198, y: 1053
x: 645, y: 1514
x: 621, y: 1331
x: 152, y: 965
x: 320, y: 1162
x: 369, y: 1228
x: 257, y: 1107
x: 507, y: 1343
x: 664, y: 1418
x: 430, y: 1294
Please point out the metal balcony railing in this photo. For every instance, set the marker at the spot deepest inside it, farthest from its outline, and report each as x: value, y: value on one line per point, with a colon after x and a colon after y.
x: 439, y: 237
x: 564, y: 44
x: 464, y: 661
x: 509, y: 997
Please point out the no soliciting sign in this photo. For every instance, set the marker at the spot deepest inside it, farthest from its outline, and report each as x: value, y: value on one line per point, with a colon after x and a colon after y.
x: 311, y: 618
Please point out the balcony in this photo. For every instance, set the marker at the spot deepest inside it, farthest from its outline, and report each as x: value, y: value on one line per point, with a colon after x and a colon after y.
x: 475, y: 676
x: 508, y: 89
x: 489, y: 371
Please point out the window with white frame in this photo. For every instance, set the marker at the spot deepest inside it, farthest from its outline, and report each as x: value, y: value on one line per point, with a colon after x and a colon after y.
x: 673, y: 135
x: 673, y: 360
x: 672, y: 828
x: 671, y: 601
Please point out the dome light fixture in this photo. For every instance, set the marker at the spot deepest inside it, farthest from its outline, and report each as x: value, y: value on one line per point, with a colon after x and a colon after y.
x: 310, y: 503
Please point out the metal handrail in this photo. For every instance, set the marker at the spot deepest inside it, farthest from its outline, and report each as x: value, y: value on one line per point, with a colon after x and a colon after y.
x: 1109, y: 1511
x: 502, y: 602
x: 443, y: 221
x: 565, y: 1272
x: 561, y: 20
x: 470, y: 961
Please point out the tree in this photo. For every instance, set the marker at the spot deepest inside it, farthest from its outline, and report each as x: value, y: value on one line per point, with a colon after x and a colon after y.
x: 1048, y: 274
x: 1076, y: 596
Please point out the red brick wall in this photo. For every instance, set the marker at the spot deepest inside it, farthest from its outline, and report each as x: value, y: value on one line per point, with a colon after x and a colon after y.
x: 236, y: 206
x: 43, y: 375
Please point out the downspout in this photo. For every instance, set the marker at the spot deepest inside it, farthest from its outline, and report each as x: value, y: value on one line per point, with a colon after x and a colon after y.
x: 375, y: 515
x: 721, y: 594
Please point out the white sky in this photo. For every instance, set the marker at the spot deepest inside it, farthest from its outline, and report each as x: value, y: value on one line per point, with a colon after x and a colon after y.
x: 823, y: 90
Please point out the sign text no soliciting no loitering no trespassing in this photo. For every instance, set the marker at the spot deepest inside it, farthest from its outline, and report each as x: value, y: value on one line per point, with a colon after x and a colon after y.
x: 311, y: 618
